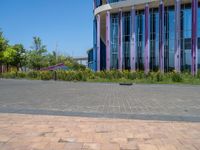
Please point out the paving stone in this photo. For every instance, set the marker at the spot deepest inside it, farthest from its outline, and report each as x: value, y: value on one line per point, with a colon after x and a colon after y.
x: 73, y: 146
x: 123, y: 134
x: 147, y: 147
x: 91, y: 146
x: 129, y: 146
x: 98, y: 99
x: 110, y: 147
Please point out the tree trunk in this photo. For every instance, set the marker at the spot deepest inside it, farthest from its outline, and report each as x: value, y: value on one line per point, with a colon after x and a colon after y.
x: 17, y: 68
x: 7, y: 66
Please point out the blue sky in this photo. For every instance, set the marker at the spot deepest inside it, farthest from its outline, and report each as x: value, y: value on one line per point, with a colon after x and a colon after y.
x: 65, y: 22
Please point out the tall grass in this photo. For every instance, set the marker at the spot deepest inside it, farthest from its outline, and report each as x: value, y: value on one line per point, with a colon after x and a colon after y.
x: 108, y: 76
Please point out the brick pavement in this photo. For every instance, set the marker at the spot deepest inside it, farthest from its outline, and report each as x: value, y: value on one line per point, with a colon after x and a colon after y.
x: 158, y: 102
x: 37, y: 132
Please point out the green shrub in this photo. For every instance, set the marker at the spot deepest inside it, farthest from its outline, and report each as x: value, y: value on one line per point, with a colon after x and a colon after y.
x: 141, y: 75
x: 60, y: 75
x: 159, y: 76
x: 132, y: 75
x: 9, y: 75
x: 46, y: 75
x: 69, y: 76
x: 198, y: 74
x: 33, y: 74
x: 110, y: 76
x: 21, y: 75
x: 176, y: 77
x: 116, y: 74
x: 80, y: 76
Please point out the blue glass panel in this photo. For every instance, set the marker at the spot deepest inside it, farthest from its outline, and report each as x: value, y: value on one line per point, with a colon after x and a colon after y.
x: 94, y: 45
x: 98, y: 3
x: 126, y: 41
x: 169, y: 38
x: 198, y: 37
x: 114, y: 38
x: 154, y: 39
x: 140, y: 37
x: 186, y: 34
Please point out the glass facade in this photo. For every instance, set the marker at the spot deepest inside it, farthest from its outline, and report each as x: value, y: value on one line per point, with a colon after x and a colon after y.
x: 186, y: 35
x: 169, y: 36
x: 94, y: 65
x: 114, y: 40
x: 154, y: 39
x: 98, y: 3
x: 126, y: 40
x: 140, y: 40
x: 114, y: 1
x: 198, y: 25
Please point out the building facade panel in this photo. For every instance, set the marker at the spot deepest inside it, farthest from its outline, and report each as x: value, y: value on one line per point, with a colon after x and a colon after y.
x: 160, y: 35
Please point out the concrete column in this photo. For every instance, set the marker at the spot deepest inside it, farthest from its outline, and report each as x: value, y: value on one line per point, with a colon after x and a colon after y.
x: 147, y: 50
x: 108, y: 40
x: 98, y: 42
x: 120, y: 41
x: 194, y: 37
x: 133, y: 40
x: 177, y: 36
x: 161, y: 36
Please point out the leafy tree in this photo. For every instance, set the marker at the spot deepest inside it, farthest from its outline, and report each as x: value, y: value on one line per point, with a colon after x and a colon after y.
x: 71, y: 63
x: 52, y: 58
x: 9, y: 56
x: 37, y: 58
x: 3, y: 46
x: 20, y: 57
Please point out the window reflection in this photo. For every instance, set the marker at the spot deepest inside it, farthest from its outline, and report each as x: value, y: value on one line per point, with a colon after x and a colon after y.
x: 169, y: 38
x: 186, y: 34
x: 154, y: 39
x: 126, y: 40
x: 140, y: 37
x: 114, y: 40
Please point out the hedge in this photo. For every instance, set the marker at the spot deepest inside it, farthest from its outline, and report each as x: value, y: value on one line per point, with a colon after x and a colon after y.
x: 107, y: 76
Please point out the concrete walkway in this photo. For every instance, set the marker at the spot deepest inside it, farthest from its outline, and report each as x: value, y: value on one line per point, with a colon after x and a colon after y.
x: 37, y: 132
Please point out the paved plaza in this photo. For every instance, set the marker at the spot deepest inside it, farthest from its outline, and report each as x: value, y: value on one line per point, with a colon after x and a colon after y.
x: 36, y: 132
x: 49, y: 115
x: 145, y: 102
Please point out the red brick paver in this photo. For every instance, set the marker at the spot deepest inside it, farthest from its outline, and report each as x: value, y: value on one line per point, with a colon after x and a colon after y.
x: 35, y: 132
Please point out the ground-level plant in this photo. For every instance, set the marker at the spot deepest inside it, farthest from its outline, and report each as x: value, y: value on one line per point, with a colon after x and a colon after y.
x: 108, y: 76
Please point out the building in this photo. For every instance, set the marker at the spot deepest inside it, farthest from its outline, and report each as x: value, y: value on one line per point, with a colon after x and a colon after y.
x: 147, y: 35
x: 90, y: 53
x: 82, y: 61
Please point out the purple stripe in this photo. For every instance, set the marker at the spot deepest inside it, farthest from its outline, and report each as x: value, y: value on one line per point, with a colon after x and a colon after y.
x: 98, y: 42
x: 161, y: 35
x: 177, y: 37
x: 146, y: 38
x: 108, y: 40
x: 120, y: 40
x: 194, y: 37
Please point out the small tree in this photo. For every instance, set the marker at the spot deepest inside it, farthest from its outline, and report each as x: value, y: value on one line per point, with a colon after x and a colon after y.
x: 20, y: 57
x: 9, y: 56
x: 3, y: 46
x: 52, y: 58
x: 37, y: 58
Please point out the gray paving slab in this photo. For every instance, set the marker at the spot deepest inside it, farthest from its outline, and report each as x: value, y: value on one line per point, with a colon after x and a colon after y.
x: 157, y: 102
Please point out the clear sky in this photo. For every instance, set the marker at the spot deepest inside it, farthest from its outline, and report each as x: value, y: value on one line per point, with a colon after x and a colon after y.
x: 65, y: 22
